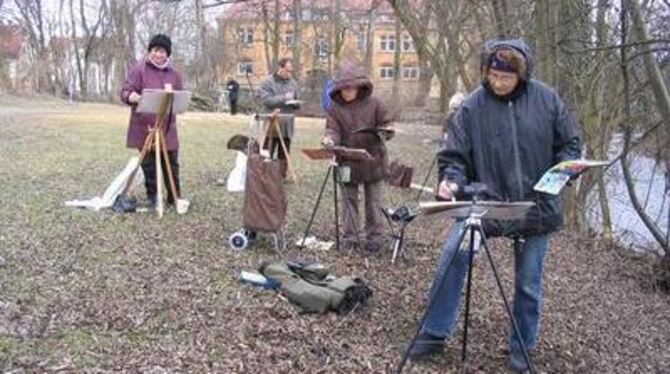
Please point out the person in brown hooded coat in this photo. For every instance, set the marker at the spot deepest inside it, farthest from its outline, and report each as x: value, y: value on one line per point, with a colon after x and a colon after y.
x: 354, y: 109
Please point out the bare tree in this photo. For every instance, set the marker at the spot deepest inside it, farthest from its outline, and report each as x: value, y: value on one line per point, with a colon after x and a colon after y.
x: 32, y: 18
x: 85, y: 47
x: 397, y: 56
x: 662, y: 100
x: 440, y: 41
x: 297, y: 39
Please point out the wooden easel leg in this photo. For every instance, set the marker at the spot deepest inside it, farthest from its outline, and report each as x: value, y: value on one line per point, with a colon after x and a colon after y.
x: 288, y: 158
x: 168, y: 167
x: 275, y: 122
x: 159, y: 175
x: 143, y: 154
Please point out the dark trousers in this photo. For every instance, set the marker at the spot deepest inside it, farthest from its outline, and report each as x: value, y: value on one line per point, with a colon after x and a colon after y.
x: 274, y: 146
x: 149, y: 169
x: 233, y: 106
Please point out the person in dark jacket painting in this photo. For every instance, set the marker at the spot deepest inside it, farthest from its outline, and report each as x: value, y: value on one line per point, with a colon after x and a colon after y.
x: 353, y: 108
x: 508, y: 132
x: 153, y: 71
x: 279, y: 91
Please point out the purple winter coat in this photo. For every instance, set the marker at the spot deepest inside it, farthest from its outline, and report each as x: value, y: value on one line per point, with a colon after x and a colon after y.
x: 146, y: 75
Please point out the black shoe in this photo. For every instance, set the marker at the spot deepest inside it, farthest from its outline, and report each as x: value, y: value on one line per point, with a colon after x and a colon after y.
x: 348, y: 245
x: 517, y: 362
x: 372, y: 247
x: 425, y: 346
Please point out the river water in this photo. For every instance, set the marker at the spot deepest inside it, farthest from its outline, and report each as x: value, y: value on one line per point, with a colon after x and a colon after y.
x: 650, y: 185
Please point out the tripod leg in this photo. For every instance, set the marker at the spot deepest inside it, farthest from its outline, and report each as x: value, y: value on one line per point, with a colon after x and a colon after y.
x: 397, y: 249
x: 517, y: 332
x: 431, y: 301
x: 316, y: 205
x: 143, y: 154
x: 430, y: 170
x: 466, y: 320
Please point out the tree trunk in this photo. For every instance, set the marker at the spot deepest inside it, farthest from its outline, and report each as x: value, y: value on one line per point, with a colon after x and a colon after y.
x: 276, y: 33
x: 396, y: 63
x: 501, y: 17
x: 630, y: 184
x: 369, y: 52
x: 77, y: 55
x: 656, y: 81
x: 425, y: 72
x: 266, y: 37
x: 297, y: 40
x: 339, y: 32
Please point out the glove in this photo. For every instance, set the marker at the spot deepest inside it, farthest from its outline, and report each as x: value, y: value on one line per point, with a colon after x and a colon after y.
x: 134, y: 97
x: 327, y: 142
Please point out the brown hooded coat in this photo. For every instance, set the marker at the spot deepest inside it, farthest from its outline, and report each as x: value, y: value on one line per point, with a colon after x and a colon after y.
x: 344, y: 118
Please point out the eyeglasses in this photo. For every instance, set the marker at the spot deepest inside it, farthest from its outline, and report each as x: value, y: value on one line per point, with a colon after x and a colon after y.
x: 506, y: 78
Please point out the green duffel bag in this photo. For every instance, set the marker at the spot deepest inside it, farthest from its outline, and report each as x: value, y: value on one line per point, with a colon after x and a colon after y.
x: 312, y: 288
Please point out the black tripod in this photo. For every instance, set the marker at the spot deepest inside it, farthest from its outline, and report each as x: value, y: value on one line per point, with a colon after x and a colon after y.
x: 473, y: 224
x: 333, y: 169
x: 405, y: 216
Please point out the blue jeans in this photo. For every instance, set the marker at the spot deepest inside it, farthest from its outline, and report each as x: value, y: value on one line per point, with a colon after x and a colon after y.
x: 441, y: 318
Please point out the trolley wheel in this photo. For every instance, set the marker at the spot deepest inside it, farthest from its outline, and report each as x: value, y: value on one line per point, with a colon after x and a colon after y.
x: 238, y: 241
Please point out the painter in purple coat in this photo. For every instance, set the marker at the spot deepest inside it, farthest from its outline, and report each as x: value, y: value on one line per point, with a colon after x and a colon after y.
x: 153, y: 71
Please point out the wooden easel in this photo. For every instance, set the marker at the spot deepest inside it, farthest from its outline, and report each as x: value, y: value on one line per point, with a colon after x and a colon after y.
x: 156, y: 140
x: 272, y: 129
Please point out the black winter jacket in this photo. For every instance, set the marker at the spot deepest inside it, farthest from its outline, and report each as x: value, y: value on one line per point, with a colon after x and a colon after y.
x: 507, y: 144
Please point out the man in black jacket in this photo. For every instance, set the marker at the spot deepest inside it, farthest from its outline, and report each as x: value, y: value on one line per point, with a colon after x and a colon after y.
x: 508, y: 132
x: 233, y: 89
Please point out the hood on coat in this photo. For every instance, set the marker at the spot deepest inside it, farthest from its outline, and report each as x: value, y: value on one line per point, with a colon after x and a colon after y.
x: 350, y: 75
x: 519, y: 45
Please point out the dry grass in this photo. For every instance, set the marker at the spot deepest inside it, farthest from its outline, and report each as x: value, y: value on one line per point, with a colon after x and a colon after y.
x: 85, y: 291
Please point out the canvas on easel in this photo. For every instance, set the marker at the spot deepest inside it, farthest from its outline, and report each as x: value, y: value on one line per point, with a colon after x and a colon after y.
x: 152, y: 100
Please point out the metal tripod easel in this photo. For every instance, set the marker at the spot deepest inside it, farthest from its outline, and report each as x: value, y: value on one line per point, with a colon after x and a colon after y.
x: 473, y: 212
x: 332, y: 154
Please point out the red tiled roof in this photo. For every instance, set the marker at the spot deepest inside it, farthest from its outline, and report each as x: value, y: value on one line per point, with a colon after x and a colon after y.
x: 11, y: 40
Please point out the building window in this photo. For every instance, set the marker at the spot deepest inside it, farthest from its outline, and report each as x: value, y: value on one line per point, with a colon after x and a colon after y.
x: 245, y: 67
x: 361, y: 42
x: 289, y: 37
x: 387, y: 43
x: 321, y: 48
x: 245, y: 35
x: 410, y: 72
x: 407, y: 43
x: 386, y: 72
x: 320, y: 14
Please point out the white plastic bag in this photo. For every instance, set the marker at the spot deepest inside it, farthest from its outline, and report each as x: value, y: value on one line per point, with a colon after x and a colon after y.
x: 238, y: 175
x: 113, y: 190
